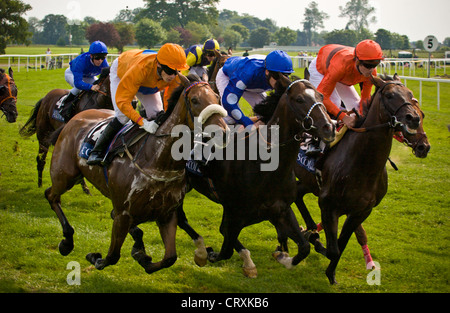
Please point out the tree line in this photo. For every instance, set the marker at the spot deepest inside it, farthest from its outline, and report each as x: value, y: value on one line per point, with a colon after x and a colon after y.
x: 189, y: 22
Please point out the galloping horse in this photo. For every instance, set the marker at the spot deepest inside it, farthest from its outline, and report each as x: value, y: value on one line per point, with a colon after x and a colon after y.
x: 353, y: 174
x: 420, y: 146
x: 8, y: 95
x: 249, y: 195
x: 146, y: 187
x: 43, y: 124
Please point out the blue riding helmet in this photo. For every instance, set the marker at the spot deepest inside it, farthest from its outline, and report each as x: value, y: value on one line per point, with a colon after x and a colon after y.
x: 211, y: 45
x: 279, y: 61
x: 98, y: 47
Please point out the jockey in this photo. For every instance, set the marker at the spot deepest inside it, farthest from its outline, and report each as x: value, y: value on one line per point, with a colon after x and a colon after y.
x: 140, y: 73
x: 249, y: 78
x: 81, y: 75
x: 199, y: 57
x: 336, y: 70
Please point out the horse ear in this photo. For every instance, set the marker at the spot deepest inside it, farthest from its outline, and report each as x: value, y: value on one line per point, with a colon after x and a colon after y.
x: 10, y: 72
x: 184, y: 80
x: 307, y: 74
x: 218, y: 54
x: 377, y: 81
x: 284, y: 81
x: 397, y: 77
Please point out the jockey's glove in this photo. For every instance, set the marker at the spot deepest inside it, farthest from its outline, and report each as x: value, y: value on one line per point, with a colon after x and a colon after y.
x: 150, y: 126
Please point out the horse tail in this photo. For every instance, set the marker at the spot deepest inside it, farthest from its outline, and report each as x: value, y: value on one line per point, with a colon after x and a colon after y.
x: 30, y: 126
x: 54, y: 136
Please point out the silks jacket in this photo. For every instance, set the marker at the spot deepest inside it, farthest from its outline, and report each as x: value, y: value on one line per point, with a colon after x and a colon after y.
x: 137, y: 73
x: 245, y: 75
x: 337, y: 64
x: 82, y: 66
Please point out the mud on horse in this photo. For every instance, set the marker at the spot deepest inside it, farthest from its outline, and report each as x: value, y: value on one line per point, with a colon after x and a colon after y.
x: 147, y: 187
x: 8, y: 95
x: 42, y: 123
x: 242, y: 188
x: 360, y: 182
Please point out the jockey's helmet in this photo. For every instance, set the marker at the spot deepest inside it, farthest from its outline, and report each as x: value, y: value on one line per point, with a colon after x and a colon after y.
x: 98, y: 47
x: 279, y: 61
x: 368, y: 50
x: 173, y: 56
x: 211, y: 45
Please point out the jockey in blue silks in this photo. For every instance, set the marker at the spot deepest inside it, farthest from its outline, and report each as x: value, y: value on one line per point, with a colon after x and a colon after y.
x: 249, y: 78
x: 81, y: 74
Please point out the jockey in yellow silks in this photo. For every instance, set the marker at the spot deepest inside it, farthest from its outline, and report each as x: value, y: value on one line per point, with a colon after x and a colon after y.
x: 198, y: 57
x: 140, y: 73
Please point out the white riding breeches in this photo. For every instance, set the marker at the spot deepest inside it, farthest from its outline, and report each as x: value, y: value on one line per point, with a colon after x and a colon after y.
x: 68, y: 75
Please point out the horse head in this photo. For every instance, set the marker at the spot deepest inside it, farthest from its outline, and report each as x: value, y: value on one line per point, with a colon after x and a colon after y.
x: 8, y: 95
x: 397, y: 101
x: 305, y: 104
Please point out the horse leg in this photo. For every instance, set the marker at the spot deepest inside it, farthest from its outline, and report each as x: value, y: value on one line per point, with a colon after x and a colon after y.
x: 330, y: 226
x: 168, y: 233
x: 200, y: 254
x: 248, y: 267
x: 310, y: 224
x: 230, y: 234
x: 287, y: 226
x: 85, y: 187
x: 361, y: 236
x: 40, y: 159
x: 66, y: 245
x: 138, y: 251
x: 121, y: 226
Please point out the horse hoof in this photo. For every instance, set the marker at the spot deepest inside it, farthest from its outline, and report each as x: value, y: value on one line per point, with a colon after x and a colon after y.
x: 93, y: 257
x: 200, y: 261
x: 65, y: 248
x: 212, y: 256
x: 283, y: 258
x: 250, y: 272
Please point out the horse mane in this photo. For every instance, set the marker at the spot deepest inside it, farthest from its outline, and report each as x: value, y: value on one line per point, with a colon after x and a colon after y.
x: 267, y: 107
x: 367, y: 104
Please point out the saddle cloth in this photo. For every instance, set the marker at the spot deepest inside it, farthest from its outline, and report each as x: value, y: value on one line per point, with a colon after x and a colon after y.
x: 55, y: 114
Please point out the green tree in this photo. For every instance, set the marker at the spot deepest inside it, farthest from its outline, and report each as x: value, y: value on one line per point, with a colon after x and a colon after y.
x: 285, y: 36
x: 313, y: 20
x: 13, y: 27
x: 54, y: 28
x: 384, y: 38
x: 259, y: 37
x: 126, y: 35
x: 149, y: 33
x: 346, y: 37
x: 241, y: 29
x: 358, y: 13
x: 174, y: 13
x: 232, y: 38
x: 199, y: 33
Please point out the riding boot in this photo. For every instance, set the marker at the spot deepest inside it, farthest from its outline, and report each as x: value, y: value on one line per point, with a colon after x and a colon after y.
x: 98, y: 153
x: 66, y: 109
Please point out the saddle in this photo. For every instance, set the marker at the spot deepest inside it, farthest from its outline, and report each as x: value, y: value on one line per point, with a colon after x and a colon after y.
x: 125, y: 138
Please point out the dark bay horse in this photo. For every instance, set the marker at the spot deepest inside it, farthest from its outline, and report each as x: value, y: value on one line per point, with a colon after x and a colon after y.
x: 353, y: 174
x: 420, y: 146
x: 248, y: 194
x: 148, y: 186
x: 8, y: 95
x: 43, y: 124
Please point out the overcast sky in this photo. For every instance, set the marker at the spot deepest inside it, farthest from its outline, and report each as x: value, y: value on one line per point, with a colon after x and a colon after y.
x: 414, y: 18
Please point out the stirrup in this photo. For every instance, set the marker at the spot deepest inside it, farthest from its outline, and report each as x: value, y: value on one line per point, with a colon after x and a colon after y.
x: 95, y: 158
x: 313, y: 151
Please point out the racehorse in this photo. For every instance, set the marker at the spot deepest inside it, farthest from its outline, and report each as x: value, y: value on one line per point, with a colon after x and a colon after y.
x: 217, y: 64
x: 353, y: 176
x: 417, y: 141
x: 249, y: 195
x: 42, y: 123
x: 8, y: 95
x: 147, y: 186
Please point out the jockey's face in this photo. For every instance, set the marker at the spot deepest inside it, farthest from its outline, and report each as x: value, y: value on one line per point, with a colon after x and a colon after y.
x: 167, y: 77
x: 210, y: 55
x: 366, y: 67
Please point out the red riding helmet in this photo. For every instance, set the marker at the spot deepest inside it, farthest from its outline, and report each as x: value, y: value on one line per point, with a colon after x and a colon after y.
x: 368, y: 50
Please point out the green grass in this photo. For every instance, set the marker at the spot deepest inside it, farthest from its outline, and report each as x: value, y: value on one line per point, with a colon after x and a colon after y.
x: 408, y: 232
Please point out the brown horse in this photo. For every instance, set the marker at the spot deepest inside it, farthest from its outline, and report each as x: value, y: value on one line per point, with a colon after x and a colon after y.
x: 43, y: 124
x: 248, y: 194
x: 417, y: 141
x: 8, y: 95
x: 147, y: 186
x: 353, y: 174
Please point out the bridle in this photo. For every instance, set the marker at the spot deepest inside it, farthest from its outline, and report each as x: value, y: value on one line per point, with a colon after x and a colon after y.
x: 10, y: 96
x: 393, y: 123
x: 187, y: 101
x: 308, y: 118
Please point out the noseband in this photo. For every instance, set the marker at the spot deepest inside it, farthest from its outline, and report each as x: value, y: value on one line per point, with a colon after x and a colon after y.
x: 308, y: 117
